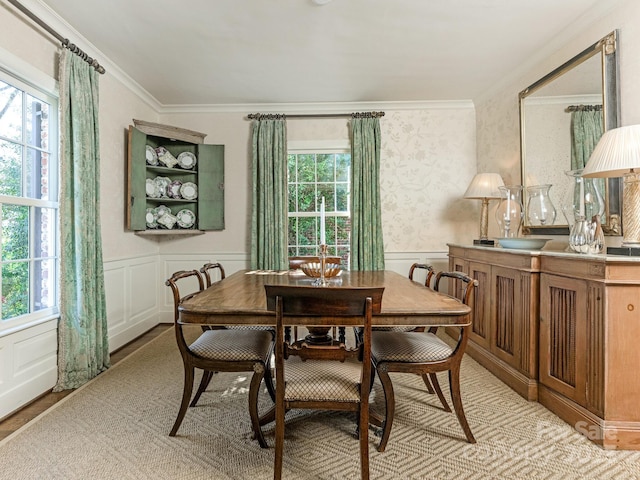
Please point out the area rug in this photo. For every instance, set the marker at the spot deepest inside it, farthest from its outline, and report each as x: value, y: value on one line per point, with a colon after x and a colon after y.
x: 116, y: 427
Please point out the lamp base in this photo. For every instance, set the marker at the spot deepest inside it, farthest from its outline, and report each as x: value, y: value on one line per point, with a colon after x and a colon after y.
x: 485, y: 242
x: 626, y: 251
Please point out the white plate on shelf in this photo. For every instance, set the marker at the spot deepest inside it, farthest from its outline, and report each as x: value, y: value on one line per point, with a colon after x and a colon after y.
x: 189, y: 191
x: 151, y: 218
x: 163, y: 185
x: 186, y: 218
x: 162, y: 210
x: 187, y: 160
x: 152, y: 156
x: 519, y: 243
x: 151, y: 188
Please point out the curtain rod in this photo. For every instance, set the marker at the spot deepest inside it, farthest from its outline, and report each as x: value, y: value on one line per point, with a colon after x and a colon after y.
x: 274, y: 116
x: 583, y: 108
x: 65, y: 41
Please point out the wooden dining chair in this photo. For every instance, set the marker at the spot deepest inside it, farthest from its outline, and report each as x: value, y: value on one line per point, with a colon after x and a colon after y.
x: 425, y: 354
x: 219, y: 351
x: 422, y: 266
x: 206, y: 270
x: 323, y: 377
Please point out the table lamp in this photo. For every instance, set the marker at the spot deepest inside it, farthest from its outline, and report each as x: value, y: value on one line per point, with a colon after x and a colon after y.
x: 484, y: 186
x: 617, y: 154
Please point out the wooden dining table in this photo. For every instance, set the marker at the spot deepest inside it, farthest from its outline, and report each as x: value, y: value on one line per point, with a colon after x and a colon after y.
x: 240, y: 299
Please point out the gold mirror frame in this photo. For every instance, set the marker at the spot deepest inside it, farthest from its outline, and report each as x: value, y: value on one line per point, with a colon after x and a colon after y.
x: 606, y: 47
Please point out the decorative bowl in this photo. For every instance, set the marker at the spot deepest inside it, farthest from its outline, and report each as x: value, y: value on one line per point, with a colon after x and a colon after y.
x: 313, y: 269
x: 523, y: 243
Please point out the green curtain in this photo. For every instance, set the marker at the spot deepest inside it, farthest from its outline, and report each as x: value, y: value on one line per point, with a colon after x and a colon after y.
x: 83, y: 345
x: 367, y: 248
x: 586, y: 129
x: 269, y: 223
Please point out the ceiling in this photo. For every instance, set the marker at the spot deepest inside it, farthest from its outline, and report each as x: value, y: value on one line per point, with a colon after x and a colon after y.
x: 204, y: 52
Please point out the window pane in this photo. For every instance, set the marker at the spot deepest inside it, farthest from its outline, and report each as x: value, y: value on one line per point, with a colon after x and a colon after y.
x: 307, y: 251
x: 37, y: 123
x: 291, y: 168
x: 342, y: 197
x: 293, y: 228
x: 10, y: 111
x: 15, y: 289
x: 15, y: 232
x: 325, y: 167
x: 292, y: 198
x: 307, y: 198
x: 343, y: 164
x: 343, y: 225
x: 307, y: 231
x: 330, y: 225
x: 38, y: 176
x: 44, y: 243
x: 10, y: 169
x: 326, y: 190
x: 306, y: 168
x: 44, y: 294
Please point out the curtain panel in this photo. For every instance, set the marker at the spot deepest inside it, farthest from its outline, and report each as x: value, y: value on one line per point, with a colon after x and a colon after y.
x: 83, y: 347
x: 367, y: 247
x: 269, y: 222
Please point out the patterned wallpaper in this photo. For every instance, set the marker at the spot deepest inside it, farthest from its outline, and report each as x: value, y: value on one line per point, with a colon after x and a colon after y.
x: 427, y: 161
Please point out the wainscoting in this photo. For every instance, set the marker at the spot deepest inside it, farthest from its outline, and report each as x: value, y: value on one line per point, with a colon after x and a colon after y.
x: 137, y: 300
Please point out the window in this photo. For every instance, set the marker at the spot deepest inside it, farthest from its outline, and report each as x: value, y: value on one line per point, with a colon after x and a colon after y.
x: 312, y: 176
x: 28, y: 202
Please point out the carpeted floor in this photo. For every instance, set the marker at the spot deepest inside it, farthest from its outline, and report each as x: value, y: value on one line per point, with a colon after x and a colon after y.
x: 116, y: 427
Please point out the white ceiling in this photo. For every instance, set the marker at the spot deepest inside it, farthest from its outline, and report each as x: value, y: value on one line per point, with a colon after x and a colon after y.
x: 218, y: 52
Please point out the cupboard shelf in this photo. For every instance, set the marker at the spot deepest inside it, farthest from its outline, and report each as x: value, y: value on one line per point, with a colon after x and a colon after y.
x: 207, y: 175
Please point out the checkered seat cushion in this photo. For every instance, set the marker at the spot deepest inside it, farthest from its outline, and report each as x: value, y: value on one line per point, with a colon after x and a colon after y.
x: 317, y: 380
x: 233, y: 345
x: 408, y: 347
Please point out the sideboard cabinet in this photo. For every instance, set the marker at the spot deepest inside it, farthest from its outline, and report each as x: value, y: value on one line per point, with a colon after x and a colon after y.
x: 577, y: 318
x: 177, y: 191
x: 505, y: 327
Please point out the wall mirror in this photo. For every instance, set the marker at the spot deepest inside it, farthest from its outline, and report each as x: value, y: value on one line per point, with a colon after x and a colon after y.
x: 548, y: 110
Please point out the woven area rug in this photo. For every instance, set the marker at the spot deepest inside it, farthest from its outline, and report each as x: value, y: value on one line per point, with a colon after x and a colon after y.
x: 116, y: 427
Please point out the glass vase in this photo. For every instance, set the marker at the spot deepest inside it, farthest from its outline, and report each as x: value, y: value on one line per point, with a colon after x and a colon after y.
x: 540, y: 209
x: 584, y: 199
x: 510, y: 211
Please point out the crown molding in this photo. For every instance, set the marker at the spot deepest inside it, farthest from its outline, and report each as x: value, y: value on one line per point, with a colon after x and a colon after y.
x: 311, y: 108
x: 565, y: 100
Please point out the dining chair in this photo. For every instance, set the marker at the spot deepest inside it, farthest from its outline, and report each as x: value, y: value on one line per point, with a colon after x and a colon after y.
x: 425, y: 354
x: 206, y: 270
x: 323, y: 377
x: 219, y: 351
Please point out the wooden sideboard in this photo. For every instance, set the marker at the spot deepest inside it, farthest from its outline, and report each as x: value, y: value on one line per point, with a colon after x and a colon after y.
x: 562, y: 329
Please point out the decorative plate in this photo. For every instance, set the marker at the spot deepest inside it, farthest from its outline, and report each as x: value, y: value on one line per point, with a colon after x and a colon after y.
x: 151, y: 218
x: 163, y: 185
x: 152, y: 156
x: 187, y: 160
x: 165, y: 157
x: 523, y: 243
x: 173, y: 190
x: 162, y: 210
x: 167, y: 220
x: 189, y: 191
x: 186, y: 218
x: 152, y: 189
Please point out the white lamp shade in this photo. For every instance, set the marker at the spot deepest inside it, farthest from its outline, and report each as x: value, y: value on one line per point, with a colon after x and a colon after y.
x: 617, y: 152
x: 484, y: 185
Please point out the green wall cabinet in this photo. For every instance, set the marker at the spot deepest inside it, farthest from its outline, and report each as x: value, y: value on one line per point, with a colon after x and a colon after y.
x: 167, y: 193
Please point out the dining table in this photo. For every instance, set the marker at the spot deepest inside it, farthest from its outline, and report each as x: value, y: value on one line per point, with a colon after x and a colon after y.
x: 240, y: 299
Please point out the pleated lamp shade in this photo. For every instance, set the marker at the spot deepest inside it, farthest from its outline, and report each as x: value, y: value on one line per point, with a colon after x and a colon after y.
x: 617, y: 153
x: 484, y: 185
